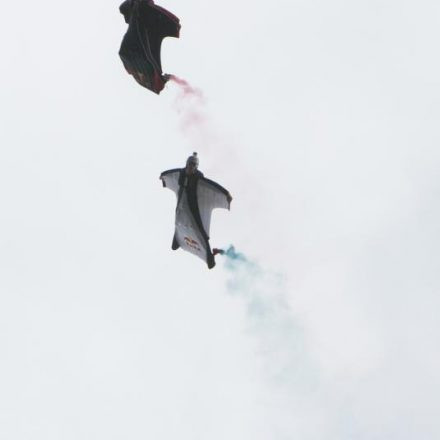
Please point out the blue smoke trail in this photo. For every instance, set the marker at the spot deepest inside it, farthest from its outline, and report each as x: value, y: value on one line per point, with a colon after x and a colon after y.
x: 271, y: 320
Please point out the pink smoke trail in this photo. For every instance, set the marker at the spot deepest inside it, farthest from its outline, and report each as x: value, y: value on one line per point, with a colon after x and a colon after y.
x: 201, y: 132
x: 194, y: 123
x: 190, y: 105
x: 187, y: 89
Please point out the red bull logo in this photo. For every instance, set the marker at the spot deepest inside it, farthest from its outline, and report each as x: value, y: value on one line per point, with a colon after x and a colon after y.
x: 192, y: 243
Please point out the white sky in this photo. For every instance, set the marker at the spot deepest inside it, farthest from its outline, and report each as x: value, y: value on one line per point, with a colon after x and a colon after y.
x: 321, y: 118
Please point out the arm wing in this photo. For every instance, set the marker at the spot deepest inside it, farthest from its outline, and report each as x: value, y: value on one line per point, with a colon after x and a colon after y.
x: 211, y: 195
x: 125, y: 10
x: 170, y: 179
x: 168, y: 22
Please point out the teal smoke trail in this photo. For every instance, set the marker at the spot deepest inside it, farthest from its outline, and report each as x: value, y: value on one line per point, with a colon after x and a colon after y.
x: 270, y: 318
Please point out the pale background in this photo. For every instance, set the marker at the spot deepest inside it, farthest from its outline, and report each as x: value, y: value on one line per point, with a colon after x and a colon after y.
x: 322, y: 119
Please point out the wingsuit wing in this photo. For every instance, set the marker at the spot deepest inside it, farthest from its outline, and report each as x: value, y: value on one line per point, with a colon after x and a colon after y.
x: 149, y: 24
x: 211, y: 195
x: 193, y: 213
x: 170, y: 179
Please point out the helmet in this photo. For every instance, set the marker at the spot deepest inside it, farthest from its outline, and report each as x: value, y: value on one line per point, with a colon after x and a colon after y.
x: 193, y: 160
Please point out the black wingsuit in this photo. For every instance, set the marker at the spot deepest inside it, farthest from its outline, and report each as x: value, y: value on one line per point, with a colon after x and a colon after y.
x: 148, y: 25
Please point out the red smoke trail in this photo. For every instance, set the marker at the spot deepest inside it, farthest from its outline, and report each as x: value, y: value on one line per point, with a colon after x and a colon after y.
x: 190, y: 106
x: 187, y: 89
x: 204, y: 135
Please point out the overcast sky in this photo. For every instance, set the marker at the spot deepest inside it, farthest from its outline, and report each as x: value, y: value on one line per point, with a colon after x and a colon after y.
x: 322, y: 120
